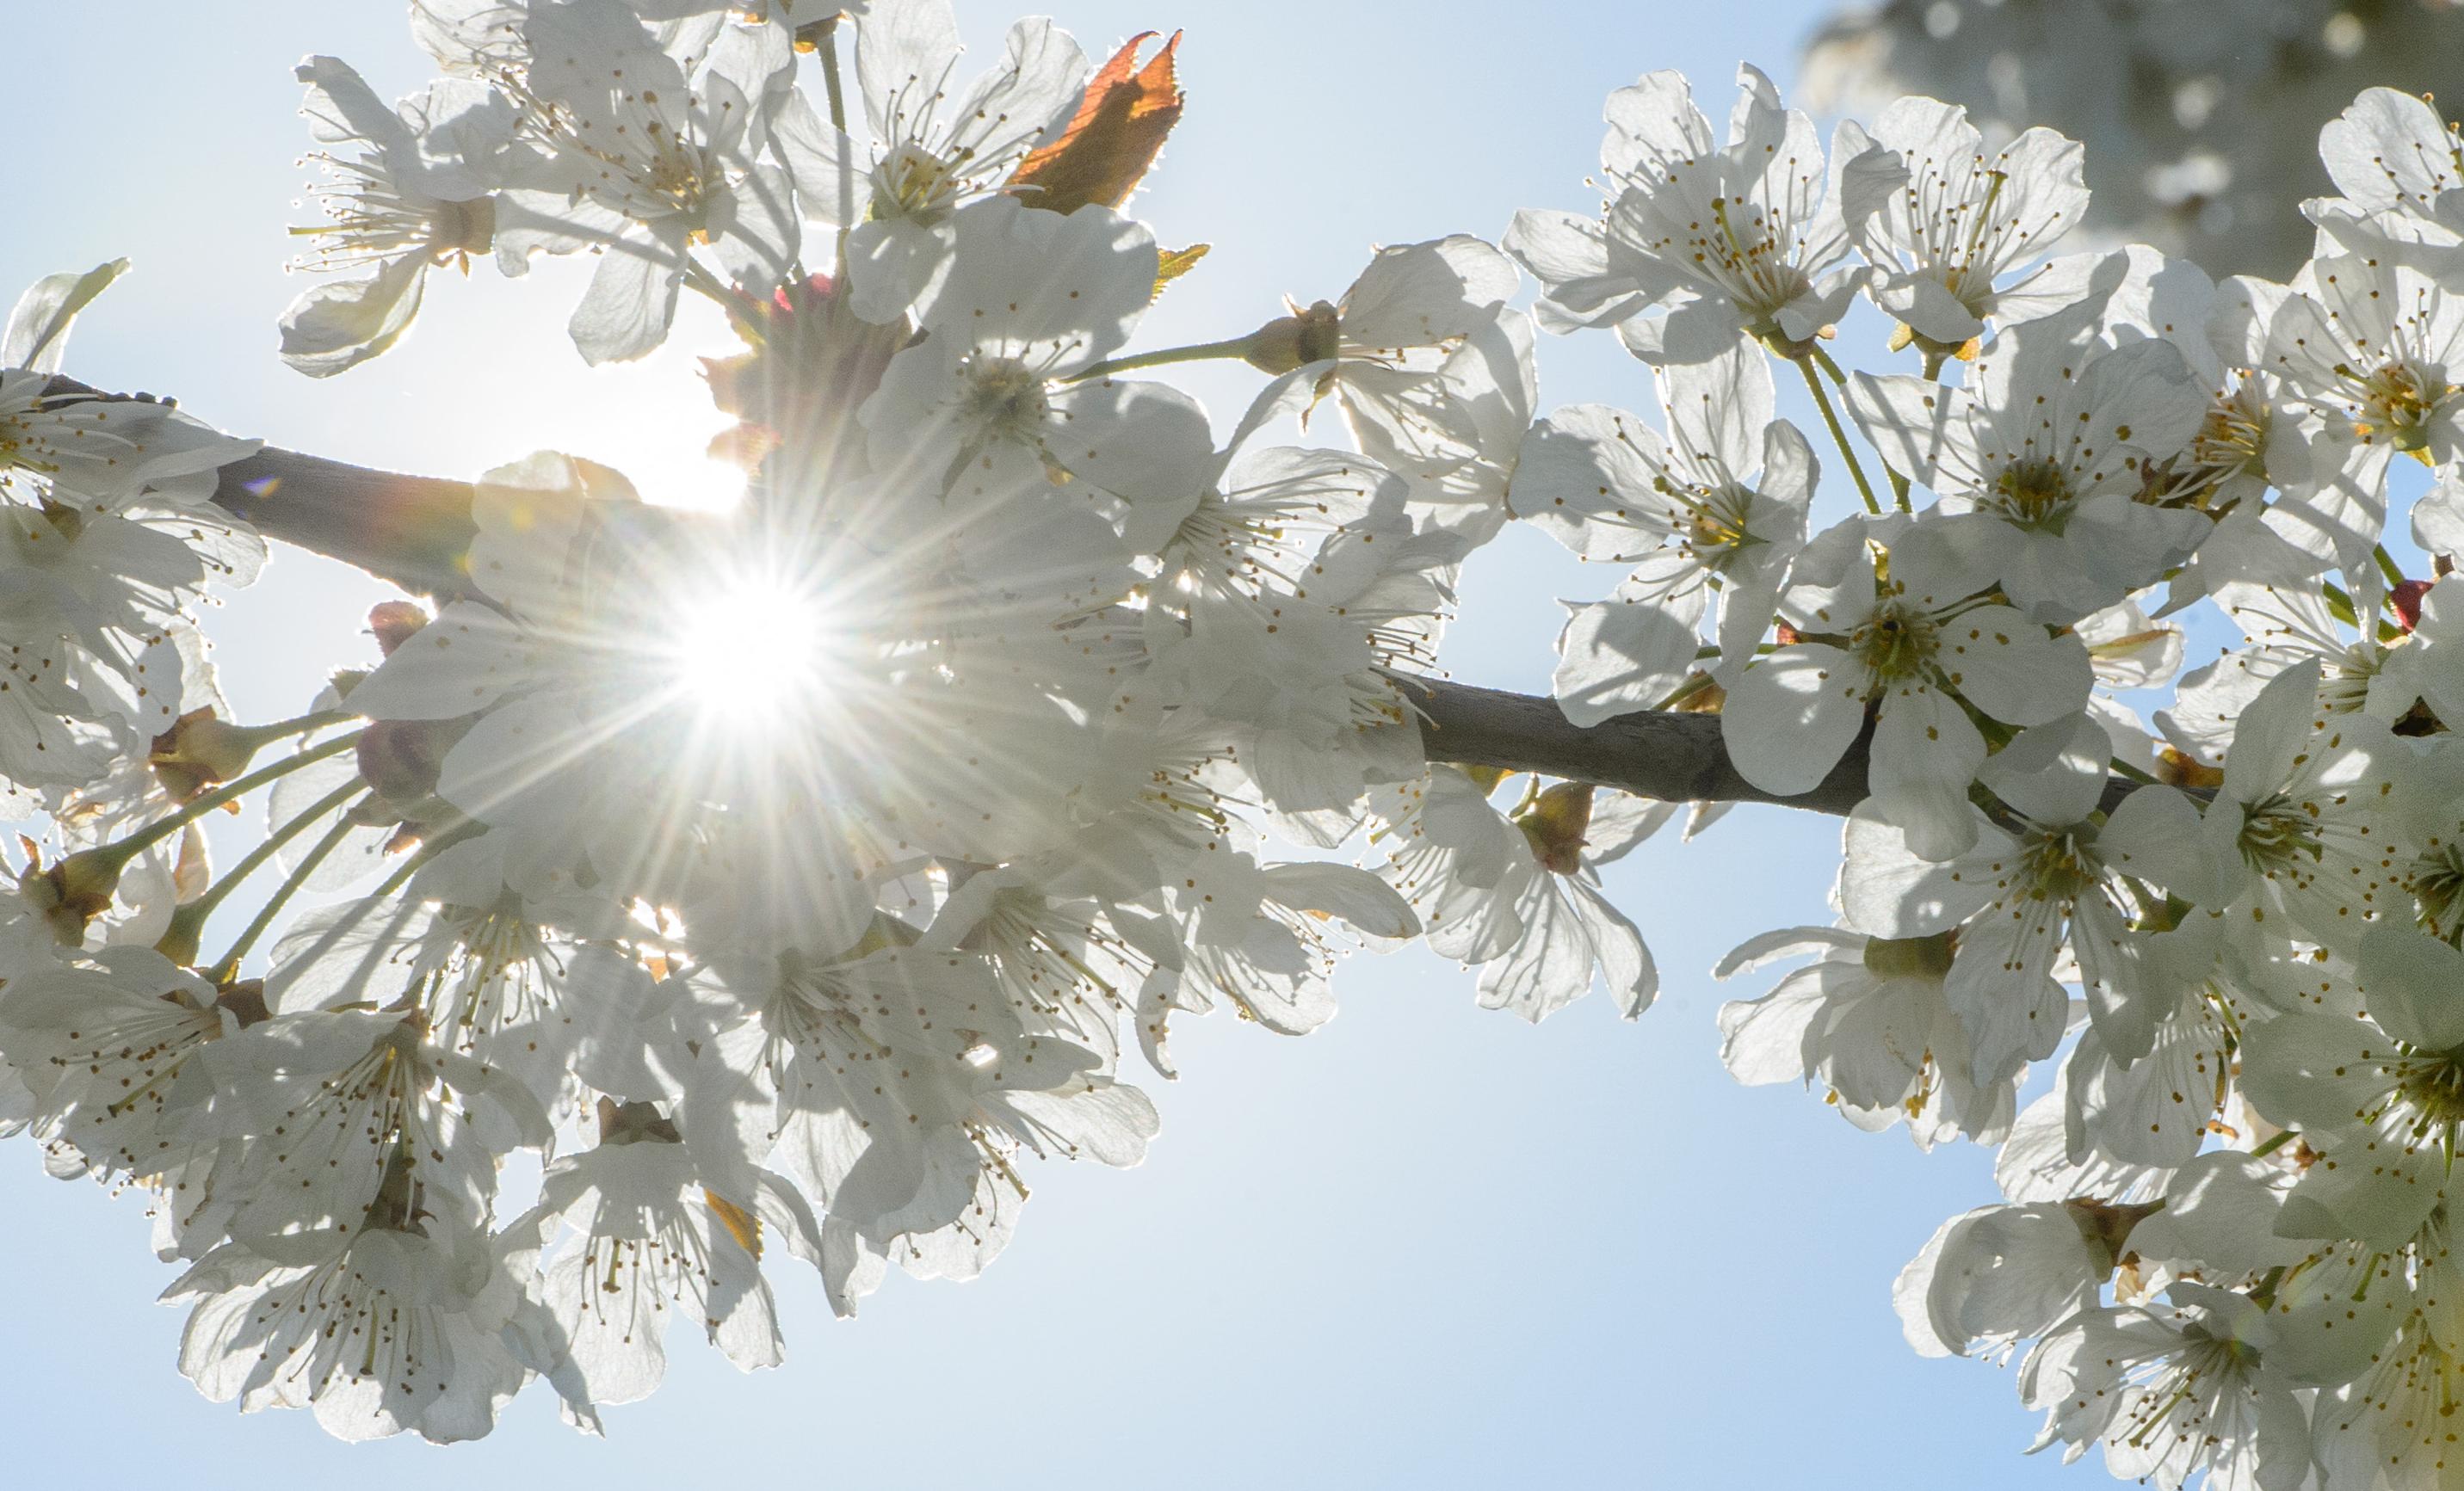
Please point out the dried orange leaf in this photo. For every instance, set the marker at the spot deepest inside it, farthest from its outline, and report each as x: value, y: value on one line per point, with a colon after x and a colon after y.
x: 1113, y: 137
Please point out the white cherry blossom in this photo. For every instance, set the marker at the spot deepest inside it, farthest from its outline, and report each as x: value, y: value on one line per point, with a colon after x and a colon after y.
x: 1913, y: 647
x: 2300, y: 828
x: 1868, y: 1018
x: 1728, y: 242
x: 2371, y: 345
x: 1032, y: 299
x: 1958, y: 232
x: 1717, y: 507
x: 649, y: 153
x: 408, y: 198
x: 2039, y: 464
x: 652, y: 1244
x: 1514, y: 894
x: 935, y: 146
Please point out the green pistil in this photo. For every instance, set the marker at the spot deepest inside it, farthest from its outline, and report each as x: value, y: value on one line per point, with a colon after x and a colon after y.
x: 1895, y: 643
x: 2273, y: 834
x: 2432, y: 1086
x: 2033, y: 495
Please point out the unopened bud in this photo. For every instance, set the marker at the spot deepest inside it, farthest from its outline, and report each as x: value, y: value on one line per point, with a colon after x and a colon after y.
x: 1295, y: 341
x: 810, y: 363
x: 2175, y: 770
x: 200, y: 752
x: 1555, y: 823
x: 2406, y: 599
x: 401, y: 758
x: 72, y: 893
x: 246, y: 1001
x: 1705, y: 697
x: 465, y: 228
x: 1908, y: 958
x: 394, y: 621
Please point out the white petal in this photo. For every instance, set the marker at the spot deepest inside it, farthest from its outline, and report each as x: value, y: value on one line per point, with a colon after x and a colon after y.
x: 1789, y: 717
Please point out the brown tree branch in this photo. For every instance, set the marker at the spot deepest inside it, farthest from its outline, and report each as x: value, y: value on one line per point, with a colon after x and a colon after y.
x: 413, y: 531
x: 1655, y: 753
x: 416, y: 531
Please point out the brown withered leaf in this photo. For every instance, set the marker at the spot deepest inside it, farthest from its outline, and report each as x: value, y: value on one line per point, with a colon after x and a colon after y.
x: 1176, y: 262
x: 1112, y: 139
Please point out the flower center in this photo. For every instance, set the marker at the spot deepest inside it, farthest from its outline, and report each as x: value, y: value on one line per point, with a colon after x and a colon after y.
x: 912, y: 182
x: 2431, y: 1085
x: 2032, y: 495
x: 1712, y: 528
x: 2437, y: 880
x: 1896, y: 644
x: 1749, y: 255
x: 2235, y: 433
x: 2275, y: 834
x: 2232, y: 441
x: 2399, y: 400
x: 2057, y: 864
x: 2344, y: 683
x: 1004, y: 398
x: 676, y: 175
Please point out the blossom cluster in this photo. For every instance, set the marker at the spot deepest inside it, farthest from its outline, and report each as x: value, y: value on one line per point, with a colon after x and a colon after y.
x: 795, y: 880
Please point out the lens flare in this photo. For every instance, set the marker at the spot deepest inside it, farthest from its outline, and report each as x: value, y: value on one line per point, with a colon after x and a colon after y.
x: 748, y: 654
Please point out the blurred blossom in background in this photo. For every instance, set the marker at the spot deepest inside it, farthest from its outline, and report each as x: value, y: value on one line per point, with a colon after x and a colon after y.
x: 2200, y: 116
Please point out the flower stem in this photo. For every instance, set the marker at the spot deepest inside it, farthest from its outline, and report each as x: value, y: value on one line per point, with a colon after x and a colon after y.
x: 699, y: 278
x: 1233, y: 347
x: 2388, y: 565
x: 2123, y: 769
x: 228, y: 964
x: 1899, y: 483
x: 829, y: 50
x: 179, y: 942
x: 259, y: 737
x: 1822, y: 402
x: 1694, y: 684
x: 2282, y: 1138
x: 154, y: 833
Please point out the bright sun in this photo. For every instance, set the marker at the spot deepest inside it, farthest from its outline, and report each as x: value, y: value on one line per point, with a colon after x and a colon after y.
x: 747, y: 653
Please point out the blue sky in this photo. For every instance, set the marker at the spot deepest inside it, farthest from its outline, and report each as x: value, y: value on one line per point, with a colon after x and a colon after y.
x: 1426, y: 1246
